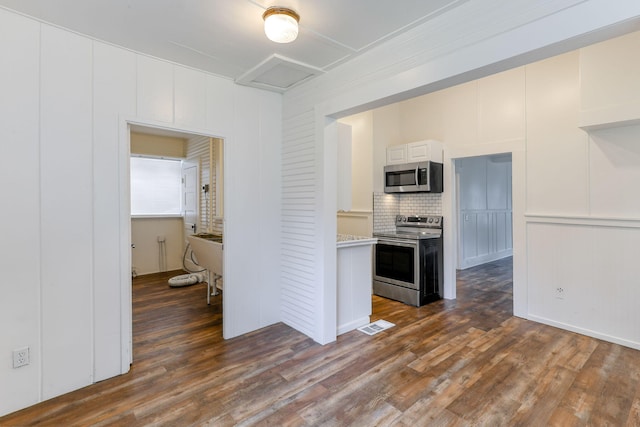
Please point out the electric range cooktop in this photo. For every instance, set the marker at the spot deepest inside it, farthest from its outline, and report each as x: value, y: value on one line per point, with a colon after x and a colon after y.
x: 415, y: 227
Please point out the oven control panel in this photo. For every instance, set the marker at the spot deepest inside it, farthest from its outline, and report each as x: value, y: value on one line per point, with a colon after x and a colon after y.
x: 432, y: 221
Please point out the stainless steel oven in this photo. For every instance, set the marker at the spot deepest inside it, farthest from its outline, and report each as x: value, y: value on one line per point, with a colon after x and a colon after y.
x: 408, y: 262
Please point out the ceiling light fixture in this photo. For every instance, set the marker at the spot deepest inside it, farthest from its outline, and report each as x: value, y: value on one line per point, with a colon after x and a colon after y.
x: 281, y: 24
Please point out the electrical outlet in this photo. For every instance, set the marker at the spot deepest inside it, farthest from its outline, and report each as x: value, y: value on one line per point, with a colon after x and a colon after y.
x: 21, y: 357
x: 560, y: 292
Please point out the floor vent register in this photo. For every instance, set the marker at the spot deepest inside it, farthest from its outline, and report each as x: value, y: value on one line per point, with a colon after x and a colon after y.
x: 375, y: 327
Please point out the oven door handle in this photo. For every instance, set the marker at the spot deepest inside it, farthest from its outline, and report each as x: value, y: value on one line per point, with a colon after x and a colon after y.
x: 394, y: 242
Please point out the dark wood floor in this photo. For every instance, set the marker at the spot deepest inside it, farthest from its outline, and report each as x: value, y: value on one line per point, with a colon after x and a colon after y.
x: 450, y: 363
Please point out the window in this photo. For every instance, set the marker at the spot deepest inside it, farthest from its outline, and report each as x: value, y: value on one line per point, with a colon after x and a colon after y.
x: 156, y: 186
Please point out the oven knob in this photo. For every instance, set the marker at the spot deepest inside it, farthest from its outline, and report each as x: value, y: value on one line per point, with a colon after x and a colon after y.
x: 430, y: 220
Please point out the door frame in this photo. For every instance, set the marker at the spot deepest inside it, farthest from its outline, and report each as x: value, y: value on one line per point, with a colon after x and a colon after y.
x: 458, y: 212
x: 518, y: 200
x: 126, y: 308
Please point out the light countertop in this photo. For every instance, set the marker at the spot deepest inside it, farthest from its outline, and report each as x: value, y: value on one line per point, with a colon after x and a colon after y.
x: 348, y: 240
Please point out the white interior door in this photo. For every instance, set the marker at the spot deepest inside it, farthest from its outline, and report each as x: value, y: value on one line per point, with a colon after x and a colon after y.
x: 190, y: 193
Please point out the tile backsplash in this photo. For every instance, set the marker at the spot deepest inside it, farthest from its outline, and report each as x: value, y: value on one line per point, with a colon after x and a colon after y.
x: 385, y: 209
x: 420, y: 204
x: 387, y: 206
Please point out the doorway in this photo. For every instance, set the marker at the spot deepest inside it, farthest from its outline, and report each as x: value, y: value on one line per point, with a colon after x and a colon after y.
x: 200, y: 179
x: 483, y: 209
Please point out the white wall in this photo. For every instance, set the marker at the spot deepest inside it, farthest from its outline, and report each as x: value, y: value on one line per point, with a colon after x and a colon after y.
x: 65, y: 103
x: 20, y: 260
x: 359, y: 220
x: 146, y: 257
x: 362, y: 158
x: 458, y: 46
x: 583, y: 217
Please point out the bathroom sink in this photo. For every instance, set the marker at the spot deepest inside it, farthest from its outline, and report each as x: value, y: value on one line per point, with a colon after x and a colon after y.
x: 209, y: 236
x: 208, y: 250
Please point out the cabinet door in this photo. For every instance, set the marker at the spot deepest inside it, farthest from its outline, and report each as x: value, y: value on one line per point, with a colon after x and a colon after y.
x: 397, y: 154
x: 418, y: 151
x: 422, y: 151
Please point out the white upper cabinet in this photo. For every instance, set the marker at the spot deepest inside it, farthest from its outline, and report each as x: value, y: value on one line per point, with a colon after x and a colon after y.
x: 397, y: 154
x: 419, y: 151
x: 609, y: 84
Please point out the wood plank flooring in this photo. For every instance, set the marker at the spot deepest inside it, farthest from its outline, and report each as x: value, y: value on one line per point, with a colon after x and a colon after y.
x: 450, y: 363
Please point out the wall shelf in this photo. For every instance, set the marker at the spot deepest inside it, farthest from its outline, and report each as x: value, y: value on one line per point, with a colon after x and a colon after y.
x: 610, y: 117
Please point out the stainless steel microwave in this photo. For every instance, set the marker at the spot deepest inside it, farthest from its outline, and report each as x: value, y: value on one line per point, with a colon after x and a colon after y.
x: 419, y: 177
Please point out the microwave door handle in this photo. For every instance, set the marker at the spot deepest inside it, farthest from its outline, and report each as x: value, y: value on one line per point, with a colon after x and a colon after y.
x: 416, y: 173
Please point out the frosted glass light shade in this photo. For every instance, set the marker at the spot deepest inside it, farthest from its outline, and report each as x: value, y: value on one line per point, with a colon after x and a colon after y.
x: 281, y: 24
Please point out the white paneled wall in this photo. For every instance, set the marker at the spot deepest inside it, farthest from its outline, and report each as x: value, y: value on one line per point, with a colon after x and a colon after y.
x: 113, y: 95
x: 66, y: 210
x: 66, y: 104
x: 584, y: 277
x: 557, y: 150
x: 609, y: 83
x: 252, y: 196
x: 614, y: 171
x: 190, y: 104
x: 154, y: 85
x: 20, y: 308
x: 485, y: 236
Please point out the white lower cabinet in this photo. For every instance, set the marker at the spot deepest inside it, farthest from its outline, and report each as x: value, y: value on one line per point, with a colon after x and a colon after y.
x: 354, y: 282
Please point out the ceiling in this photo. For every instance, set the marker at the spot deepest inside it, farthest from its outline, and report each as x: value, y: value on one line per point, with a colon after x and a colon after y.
x: 226, y: 37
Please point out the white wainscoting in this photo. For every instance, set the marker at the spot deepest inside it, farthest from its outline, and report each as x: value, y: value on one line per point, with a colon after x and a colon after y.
x: 485, y: 235
x: 583, y: 276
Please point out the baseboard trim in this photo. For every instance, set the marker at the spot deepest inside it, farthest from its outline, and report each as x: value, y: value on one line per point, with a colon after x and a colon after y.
x: 354, y: 324
x: 472, y: 262
x: 588, y: 332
